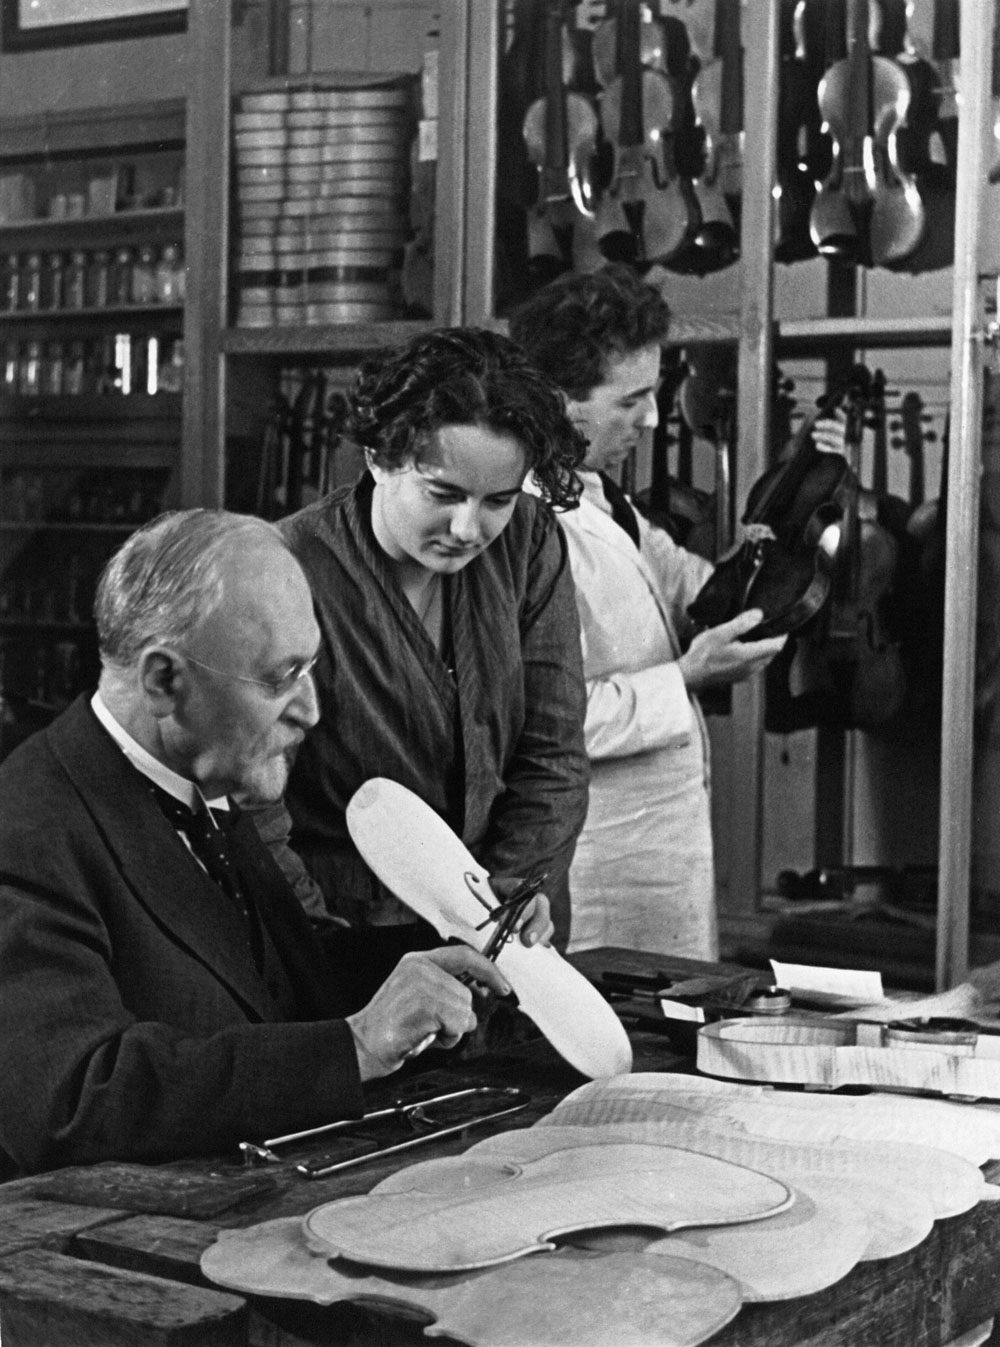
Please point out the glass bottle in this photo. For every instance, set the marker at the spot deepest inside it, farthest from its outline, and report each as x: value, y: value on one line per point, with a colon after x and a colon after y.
x: 12, y: 282
x: 55, y: 290
x: 32, y: 292
x: 74, y: 371
x: 170, y: 275
x: 100, y: 268
x: 53, y: 368
x: 172, y: 371
x: 144, y: 276
x: 75, y: 290
x: 121, y: 278
x: 29, y: 379
x: 9, y: 370
x: 106, y: 369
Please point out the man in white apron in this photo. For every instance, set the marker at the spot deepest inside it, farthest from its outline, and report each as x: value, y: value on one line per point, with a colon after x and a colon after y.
x: 643, y: 875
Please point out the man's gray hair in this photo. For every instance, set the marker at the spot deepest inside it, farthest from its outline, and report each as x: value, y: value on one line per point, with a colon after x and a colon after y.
x: 166, y: 578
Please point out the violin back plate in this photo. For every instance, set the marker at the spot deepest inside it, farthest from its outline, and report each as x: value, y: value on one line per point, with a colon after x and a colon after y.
x: 497, y: 1211
x: 798, y: 1251
x: 567, y: 1299
x: 418, y: 857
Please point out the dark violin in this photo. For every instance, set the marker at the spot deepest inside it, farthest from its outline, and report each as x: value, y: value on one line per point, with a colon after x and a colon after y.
x: 866, y: 674
x: 928, y: 140
x: 707, y: 400
x: 792, y: 527
x: 867, y: 209
x: 717, y: 93
x: 798, y: 125
x: 673, y: 501
x: 648, y: 211
x: 560, y: 132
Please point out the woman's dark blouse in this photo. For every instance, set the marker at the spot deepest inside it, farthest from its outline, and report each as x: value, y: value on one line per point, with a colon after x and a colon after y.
x: 492, y: 738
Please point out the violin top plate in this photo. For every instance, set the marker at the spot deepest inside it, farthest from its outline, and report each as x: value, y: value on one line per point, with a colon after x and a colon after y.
x: 417, y: 856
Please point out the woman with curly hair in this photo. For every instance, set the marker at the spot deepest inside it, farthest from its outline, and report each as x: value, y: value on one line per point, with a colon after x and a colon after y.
x: 451, y: 648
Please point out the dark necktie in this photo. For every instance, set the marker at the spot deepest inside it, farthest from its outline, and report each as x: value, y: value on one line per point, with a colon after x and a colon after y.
x: 206, y: 833
x: 621, y: 510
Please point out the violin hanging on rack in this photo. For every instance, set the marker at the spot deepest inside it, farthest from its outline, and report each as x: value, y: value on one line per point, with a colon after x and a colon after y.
x: 867, y: 210
x: 798, y: 133
x: 717, y: 94
x: 649, y: 211
x: 560, y: 132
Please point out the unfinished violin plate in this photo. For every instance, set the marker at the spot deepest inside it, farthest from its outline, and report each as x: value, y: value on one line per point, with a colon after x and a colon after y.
x: 565, y: 1299
x: 888, y: 1213
x: 831, y: 1052
x: 952, y: 1183
x: 970, y: 1131
x: 806, y: 1247
x: 512, y: 1210
x: 417, y: 856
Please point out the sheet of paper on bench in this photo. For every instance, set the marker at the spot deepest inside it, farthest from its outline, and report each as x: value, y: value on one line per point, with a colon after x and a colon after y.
x: 837, y: 986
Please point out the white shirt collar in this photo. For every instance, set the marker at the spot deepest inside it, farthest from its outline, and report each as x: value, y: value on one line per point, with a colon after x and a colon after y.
x: 165, y: 777
x: 593, y: 490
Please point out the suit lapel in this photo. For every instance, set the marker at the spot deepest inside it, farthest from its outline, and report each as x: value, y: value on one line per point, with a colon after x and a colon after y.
x: 165, y: 879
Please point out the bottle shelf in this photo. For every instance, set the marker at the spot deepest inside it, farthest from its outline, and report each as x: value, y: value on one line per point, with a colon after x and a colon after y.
x: 154, y: 224
x: 110, y: 313
x: 91, y: 407
x: 325, y: 339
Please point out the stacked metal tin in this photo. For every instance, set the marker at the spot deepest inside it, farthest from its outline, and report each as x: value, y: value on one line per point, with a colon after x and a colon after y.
x: 322, y: 200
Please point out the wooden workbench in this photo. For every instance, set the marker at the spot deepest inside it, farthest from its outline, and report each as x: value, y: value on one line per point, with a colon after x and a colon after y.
x: 78, y: 1273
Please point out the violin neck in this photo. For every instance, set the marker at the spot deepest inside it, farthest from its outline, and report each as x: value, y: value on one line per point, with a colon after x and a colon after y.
x: 859, y: 73
x: 944, y: 44
x: 780, y: 492
x: 630, y: 130
x: 556, y: 149
x: 880, y: 465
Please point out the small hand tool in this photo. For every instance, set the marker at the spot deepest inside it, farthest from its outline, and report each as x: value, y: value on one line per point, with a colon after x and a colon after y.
x: 254, y: 1153
x: 324, y: 1165
x: 506, y: 914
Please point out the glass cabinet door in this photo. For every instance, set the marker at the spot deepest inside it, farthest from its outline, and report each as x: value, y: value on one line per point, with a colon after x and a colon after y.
x: 850, y: 809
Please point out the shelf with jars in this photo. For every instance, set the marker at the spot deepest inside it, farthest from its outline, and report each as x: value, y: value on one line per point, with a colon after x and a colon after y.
x: 92, y: 326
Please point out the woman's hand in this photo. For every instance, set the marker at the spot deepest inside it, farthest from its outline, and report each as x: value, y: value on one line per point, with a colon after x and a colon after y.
x: 535, y: 926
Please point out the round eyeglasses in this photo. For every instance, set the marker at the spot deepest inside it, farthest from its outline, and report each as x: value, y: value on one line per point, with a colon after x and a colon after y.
x: 277, y: 687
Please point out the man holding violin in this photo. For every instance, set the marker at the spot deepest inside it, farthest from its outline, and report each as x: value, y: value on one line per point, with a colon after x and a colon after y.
x: 643, y: 875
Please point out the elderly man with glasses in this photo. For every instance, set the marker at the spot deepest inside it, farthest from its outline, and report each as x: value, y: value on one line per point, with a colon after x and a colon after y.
x: 162, y: 991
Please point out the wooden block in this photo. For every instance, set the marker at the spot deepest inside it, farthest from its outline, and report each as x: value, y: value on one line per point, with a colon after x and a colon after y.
x: 28, y: 1222
x: 163, y: 1246
x: 49, y: 1300
x: 153, y: 1189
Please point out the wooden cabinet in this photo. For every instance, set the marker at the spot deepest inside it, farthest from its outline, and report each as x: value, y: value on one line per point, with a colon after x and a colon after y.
x: 236, y: 371
x: 759, y: 307
x: 92, y: 323
x: 754, y: 306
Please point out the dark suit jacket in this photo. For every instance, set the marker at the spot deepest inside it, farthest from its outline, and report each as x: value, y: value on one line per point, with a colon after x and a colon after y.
x: 133, y: 1021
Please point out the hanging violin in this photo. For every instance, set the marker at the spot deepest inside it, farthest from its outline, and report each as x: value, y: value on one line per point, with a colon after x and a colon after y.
x: 859, y: 646
x: 648, y: 212
x: 560, y: 132
x: 792, y: 531
x: 798, y: 128
x: 717, y: 94
x: 867, y: 210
